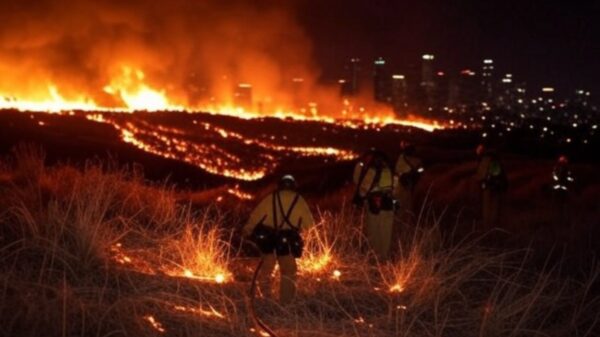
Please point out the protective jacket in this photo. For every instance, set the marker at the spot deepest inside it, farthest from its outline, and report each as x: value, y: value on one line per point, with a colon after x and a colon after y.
x: 300, y: 216
x: 358, y: 172
x: 408, y: 170
x: 376, y: 180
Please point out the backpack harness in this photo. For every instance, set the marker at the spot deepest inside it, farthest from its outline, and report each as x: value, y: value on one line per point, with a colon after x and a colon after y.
x: 275, y: 239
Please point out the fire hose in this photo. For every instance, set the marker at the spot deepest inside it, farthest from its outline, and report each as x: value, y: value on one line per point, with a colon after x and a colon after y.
x: 255, y: 318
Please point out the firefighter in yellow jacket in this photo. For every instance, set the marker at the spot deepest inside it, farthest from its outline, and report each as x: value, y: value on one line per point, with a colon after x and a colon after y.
x: 407, y: 173
x: 493, y: 182
x: 374, y: 184
x: 275, y: 226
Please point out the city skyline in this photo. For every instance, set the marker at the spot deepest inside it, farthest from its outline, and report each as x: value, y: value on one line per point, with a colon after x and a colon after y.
x: 437, y: 87
x: 544, y: 42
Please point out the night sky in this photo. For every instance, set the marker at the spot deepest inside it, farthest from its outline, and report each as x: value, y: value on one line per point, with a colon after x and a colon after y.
x: 538, y: 41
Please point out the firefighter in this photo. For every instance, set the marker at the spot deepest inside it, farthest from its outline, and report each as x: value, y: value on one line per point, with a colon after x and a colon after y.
x: 275, y: 226
x: 407, y: 173
x: 374, y: 184
x: 360, y: 169
x: 493, y: 182
x: 562, y: 181
x: 561, y: 175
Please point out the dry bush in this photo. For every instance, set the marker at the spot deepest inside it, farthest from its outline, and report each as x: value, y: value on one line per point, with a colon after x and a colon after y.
x: 97, y: 251
x: 198, y: 250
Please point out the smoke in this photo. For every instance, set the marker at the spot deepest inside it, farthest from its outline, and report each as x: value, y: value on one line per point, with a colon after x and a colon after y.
x: 193, y: 51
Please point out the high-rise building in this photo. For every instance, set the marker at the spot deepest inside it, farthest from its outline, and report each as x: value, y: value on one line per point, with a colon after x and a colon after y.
x: 344, y: 88
x: 487, y: 80
x: 442, y: 90
x: 428, y: 79
x: 353, y: 75
x: 381, y: 82
x: 547, y: 95
x: 298, y: 92
x: 520, y: 92
x: 467, y: 88
x: 399, y: 94
x: 581, y: 98
x: 506, y: 93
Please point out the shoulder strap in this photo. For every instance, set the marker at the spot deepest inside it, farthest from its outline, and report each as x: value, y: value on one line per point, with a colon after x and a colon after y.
x: 274, y: 209
x: 376, y: 179
x: 410, y: 165
x: 286, y: 215
x: 361, y: 177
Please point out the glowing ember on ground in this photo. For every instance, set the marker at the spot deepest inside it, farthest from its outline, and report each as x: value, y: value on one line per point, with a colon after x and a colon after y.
x: 209, y: 154
x: 210, y: 312
x: 397, y: 288
x: 397, y: 276
x: 261, y: 332
x: 119, y: 255
x: 218, y: 277
x: 235, y: 191
x: 149, y: 263
x: 156, y: 325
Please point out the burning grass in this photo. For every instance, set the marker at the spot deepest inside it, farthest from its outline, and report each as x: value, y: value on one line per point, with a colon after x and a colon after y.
x: 97, y: 251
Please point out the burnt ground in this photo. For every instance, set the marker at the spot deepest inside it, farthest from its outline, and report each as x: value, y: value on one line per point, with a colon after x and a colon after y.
x: 529, y: 210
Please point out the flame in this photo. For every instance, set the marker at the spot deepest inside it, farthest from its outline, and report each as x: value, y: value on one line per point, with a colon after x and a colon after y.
x: 397, y: 276
x: 130, y: 87
x: 209, y: 155
x: 204, y: 264
x: 318, y: 257
x: 48, y: 100
x: 130, y: 90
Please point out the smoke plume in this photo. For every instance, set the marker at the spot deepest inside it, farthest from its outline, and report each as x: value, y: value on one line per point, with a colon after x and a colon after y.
x: 193, y: 51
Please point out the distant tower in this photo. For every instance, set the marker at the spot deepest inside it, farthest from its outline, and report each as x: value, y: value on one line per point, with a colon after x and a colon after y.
x: 442, y: 90
x: 428, y: 79
x: 581, y: 98
x: 399, y: 94
x: 506, y: 95
x: 354, y: 75
x: 548, y: 95
x: 381, y: 82
x: 350, y: 83
x: 345, y: 88
x: 521, y: 91
x: 467, y: 88
x: 298, y: 90
x: 487, y: 80
x: 242, y: 95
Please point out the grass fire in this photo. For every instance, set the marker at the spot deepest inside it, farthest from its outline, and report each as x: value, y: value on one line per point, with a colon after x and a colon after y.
x: 99, y: 245
x: 298, y: 168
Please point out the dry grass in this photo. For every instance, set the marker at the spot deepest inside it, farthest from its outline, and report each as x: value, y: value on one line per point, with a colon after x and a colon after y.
x: 97, y: 251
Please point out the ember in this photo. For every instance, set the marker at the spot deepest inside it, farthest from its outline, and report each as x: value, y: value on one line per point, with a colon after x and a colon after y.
x: 210, y: 155
x: 156, y: 325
